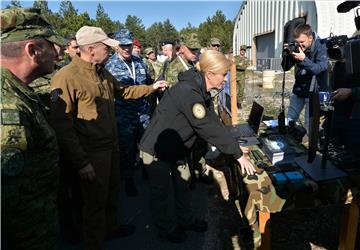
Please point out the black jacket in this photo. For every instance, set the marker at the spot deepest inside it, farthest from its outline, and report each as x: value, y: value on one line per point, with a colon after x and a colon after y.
x: 174, y: 126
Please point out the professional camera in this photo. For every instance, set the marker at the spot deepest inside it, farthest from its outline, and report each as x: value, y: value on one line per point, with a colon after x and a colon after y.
x: 292, y: 47
x: 344, y: 49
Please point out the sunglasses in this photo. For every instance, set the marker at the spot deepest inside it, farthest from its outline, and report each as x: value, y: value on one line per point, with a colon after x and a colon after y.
x: 215, y: 45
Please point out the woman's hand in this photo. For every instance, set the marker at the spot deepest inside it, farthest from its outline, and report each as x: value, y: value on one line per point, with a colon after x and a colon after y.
x: 246, y: 165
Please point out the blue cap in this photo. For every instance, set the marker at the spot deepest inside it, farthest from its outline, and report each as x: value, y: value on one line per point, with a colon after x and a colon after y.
x: 124, y: 36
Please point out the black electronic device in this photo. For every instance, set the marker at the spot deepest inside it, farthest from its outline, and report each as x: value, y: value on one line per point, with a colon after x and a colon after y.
x: 292, y: 47
x: 249, y: 130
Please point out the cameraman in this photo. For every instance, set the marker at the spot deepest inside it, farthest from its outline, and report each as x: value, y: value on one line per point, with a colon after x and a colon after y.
x: 309, y: 55
x: 346, y: 97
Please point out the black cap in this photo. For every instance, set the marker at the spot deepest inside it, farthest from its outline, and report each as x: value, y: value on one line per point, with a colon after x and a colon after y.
x: 162, y: 43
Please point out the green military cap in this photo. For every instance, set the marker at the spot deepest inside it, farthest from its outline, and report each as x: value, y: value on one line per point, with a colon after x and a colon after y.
x: 243, y: 47
x: 148, y: 50
x: 215, y: 41
x: 191, y: 41
x: 19, y: 24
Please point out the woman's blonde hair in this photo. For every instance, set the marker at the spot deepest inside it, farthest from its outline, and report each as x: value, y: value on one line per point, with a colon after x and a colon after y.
x: 213, y: 61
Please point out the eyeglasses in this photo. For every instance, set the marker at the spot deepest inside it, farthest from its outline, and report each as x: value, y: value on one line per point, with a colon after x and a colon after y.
x: 215, y: 45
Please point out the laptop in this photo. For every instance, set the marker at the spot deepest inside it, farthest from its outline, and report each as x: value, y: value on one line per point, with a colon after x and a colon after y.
x: 246, y: 134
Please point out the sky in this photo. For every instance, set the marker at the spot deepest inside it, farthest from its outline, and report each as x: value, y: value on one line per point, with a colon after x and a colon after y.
x: 180, y: 13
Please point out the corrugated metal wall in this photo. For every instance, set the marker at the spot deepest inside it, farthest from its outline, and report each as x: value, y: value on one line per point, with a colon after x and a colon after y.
x: 260, y: 17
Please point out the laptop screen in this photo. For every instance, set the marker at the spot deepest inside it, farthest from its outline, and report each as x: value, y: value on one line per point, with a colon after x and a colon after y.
x: 255, y: 116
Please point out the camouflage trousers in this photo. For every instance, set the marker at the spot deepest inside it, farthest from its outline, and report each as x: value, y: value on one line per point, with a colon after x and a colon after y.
x: 240, y: 86
x: 262, y: 197
x: 30, y: 223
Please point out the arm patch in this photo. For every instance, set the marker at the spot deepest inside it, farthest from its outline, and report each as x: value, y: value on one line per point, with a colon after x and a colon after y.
x: 10, y: 117
x: 198, y: 110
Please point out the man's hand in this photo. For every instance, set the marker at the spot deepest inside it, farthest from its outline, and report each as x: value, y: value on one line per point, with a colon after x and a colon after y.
x: 160, y: 85
x: 87, y: 173
x: 246, y: 165
x: 341, y: 94
x: 299, y: 56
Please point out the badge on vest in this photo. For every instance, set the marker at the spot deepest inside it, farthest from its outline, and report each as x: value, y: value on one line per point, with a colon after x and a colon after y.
x: 142, y: 71
x: 198, y: 111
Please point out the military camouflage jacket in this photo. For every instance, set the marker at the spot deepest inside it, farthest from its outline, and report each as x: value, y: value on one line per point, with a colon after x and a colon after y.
x: 151, y: 69
x: 174, y: 69
x: 156, y: 65
x: 241, y: 63
x: 29, y: 151
x: 130, y: 112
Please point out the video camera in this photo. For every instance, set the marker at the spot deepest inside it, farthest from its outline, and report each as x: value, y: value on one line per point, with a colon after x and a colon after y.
x: 344, y: 49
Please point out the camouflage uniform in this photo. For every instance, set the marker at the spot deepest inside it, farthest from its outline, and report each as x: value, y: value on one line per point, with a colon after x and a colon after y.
x: 174, y: 69
x: 28, y: 148
x: 176, y: 66
x: 151, y: 69
x: 156, y: 66
x: 132, y: 116
x: 29, y: 151
x: 241, y: 64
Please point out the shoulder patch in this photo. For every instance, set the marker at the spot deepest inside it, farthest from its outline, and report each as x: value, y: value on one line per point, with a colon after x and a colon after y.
x: 54, y: 95
x: 10, y: 117
x: 198, y: 110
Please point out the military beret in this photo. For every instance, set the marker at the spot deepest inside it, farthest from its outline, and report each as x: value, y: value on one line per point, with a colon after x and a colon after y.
x: 215, y: 41
x: 243, y: 47
x: 124, y: 36
x: 148, y: 50
x: 162, y: 43
x: 19, y: 24
x: 137, y: 43
x: 190, y: 40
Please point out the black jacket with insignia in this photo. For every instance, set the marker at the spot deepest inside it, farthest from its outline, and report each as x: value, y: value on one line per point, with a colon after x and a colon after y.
x: 176, y: 123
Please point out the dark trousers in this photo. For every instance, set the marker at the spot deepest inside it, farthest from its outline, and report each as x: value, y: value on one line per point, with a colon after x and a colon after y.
x: 101, y: 198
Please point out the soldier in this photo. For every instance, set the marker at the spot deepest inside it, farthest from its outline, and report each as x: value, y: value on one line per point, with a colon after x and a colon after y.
x: 29, y: 151
x: 152, y: 62
x: 242, y: 62
x: 72, y: 49
x: 167, y: 49
x: 82, y: 109
x: 215, y: 44
x: 132, y: 116
x: 185, y: 59
x: 136, y: 50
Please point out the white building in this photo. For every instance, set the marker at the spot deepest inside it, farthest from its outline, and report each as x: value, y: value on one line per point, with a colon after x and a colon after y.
x: 260, y: 24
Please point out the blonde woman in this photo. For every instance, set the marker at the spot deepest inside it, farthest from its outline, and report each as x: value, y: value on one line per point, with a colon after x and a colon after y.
x: 185, y: 113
